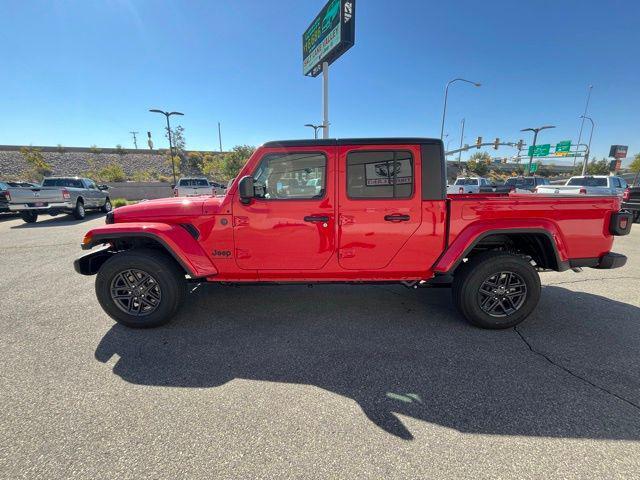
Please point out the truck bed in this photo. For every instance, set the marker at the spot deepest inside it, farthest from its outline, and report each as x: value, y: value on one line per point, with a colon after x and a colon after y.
x: 579, y: 224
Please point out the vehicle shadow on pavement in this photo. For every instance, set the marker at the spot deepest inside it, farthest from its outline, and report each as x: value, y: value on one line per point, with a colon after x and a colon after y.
x: 396, y: 351
x: 61, y: 220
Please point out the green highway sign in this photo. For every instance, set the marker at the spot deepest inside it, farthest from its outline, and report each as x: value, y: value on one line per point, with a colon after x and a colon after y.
x: 540, y: 150
x: 563, y: 146
x: 534, y: 168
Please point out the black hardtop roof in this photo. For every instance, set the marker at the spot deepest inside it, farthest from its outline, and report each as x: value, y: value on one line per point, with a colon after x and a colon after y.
x: 354, y: 141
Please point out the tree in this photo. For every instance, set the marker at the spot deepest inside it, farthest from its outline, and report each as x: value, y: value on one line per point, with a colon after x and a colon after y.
x: 635, y: 164
x: 224, y: 167
x: 481, y: 157
x: 177, y: 139
x: 33, y: 156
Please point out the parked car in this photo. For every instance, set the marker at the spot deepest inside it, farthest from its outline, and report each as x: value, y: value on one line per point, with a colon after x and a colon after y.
x: 631, y: 202
x: 192, y: 187
x: 383, y: 215
x: 5, y: 195
x: 588, y: 185
x: 467, y: 185
x: 56, y: 195
x: 525, y: 184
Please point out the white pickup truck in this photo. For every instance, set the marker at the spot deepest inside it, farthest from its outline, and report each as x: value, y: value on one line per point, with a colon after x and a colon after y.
x: 193, y: 187
x: 587, y: 185
x: 467, y: 185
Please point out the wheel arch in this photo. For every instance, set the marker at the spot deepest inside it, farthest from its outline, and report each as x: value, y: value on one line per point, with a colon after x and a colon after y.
x: 173, y: 240
x: 538, y: 243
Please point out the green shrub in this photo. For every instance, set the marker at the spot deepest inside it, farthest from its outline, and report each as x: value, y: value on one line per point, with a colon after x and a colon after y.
x: 112, y: 173
x: 119, y: 202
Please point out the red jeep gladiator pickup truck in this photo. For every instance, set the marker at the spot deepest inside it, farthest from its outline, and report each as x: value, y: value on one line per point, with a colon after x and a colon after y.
x: 352, y: 211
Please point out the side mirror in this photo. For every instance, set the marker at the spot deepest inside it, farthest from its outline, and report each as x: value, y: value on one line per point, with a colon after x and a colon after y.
x: 173, y: 185
x: 103, y: 187
x: 245, y: 189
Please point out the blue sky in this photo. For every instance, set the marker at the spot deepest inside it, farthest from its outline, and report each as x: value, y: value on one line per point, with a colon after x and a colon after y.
x: 84, y: 72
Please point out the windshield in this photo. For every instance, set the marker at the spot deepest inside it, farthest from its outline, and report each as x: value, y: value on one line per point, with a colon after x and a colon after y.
x: 194, y: 182
x: 520, y: 182
x: 62, y: 182
x: 588, y: 182
x: 466, y: 181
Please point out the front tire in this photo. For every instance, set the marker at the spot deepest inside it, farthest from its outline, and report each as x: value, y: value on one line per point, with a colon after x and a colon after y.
x: 140, y: 288
x: 496, y: 290
x: 29, y: 216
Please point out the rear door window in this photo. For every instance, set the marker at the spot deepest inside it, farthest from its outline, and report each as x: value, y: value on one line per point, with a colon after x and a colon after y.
x: 380, y: 174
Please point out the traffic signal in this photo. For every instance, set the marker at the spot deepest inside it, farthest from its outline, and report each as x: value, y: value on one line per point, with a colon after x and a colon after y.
x: 496, y: 143
x: 478, y: 142
x: 520, y: 144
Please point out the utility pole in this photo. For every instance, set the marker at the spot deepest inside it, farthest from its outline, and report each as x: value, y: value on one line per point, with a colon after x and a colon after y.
x: 135, y: 140
x: 461, y: 140
x: 219, y: 136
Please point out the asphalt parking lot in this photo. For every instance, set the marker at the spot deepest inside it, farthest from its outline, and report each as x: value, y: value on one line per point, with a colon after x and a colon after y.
x: 297, y: 382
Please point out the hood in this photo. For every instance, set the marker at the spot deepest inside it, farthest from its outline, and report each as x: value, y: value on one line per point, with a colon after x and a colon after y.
x: 167, y: 207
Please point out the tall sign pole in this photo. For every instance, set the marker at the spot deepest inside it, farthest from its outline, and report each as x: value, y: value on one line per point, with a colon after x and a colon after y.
x: 331, y: 34
x: 325, y: 100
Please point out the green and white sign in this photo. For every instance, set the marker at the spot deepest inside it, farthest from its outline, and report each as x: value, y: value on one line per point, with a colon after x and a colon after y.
x: 330, y: 34
x: 563, y: 146
x: 540, y: 150
x: 534, y: 168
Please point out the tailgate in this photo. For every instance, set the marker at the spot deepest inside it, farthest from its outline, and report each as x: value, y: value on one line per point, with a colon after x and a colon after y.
x: 35, y: 195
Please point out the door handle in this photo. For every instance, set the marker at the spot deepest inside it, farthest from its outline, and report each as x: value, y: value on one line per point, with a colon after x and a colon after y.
x: 396, y: 217
x: 317, y: 218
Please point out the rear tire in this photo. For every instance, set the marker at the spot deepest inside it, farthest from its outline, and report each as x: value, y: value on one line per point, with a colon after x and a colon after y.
x: 79, y: 212
x: 496, y: 290
x: 141, y: 288
x: 29, y: 216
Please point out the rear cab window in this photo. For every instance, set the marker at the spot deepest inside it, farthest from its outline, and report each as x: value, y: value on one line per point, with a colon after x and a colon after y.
x: 588, y: 182
x: 193, y: 182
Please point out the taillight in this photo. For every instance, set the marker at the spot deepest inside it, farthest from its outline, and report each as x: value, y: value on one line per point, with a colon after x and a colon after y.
x: 7, y: 195
x: 512, y: 189
x: 583, y: 191
x: 175, y: 192
x: 65, y: 194
x: 626, y: 195
x: 461, y: 190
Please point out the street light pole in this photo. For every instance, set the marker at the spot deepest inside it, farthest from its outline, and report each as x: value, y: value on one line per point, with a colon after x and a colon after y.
x: 315, y: 129
x: 586, y: 107
x: 586, y: 156
x: 535, y: 138
x: 167, y: 115
x: 461, y: 140
x: 446, y: 95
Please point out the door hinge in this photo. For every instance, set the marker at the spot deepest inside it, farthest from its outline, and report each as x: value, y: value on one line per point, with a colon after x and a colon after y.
x: 347, y: 220
x: 240, y: 221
